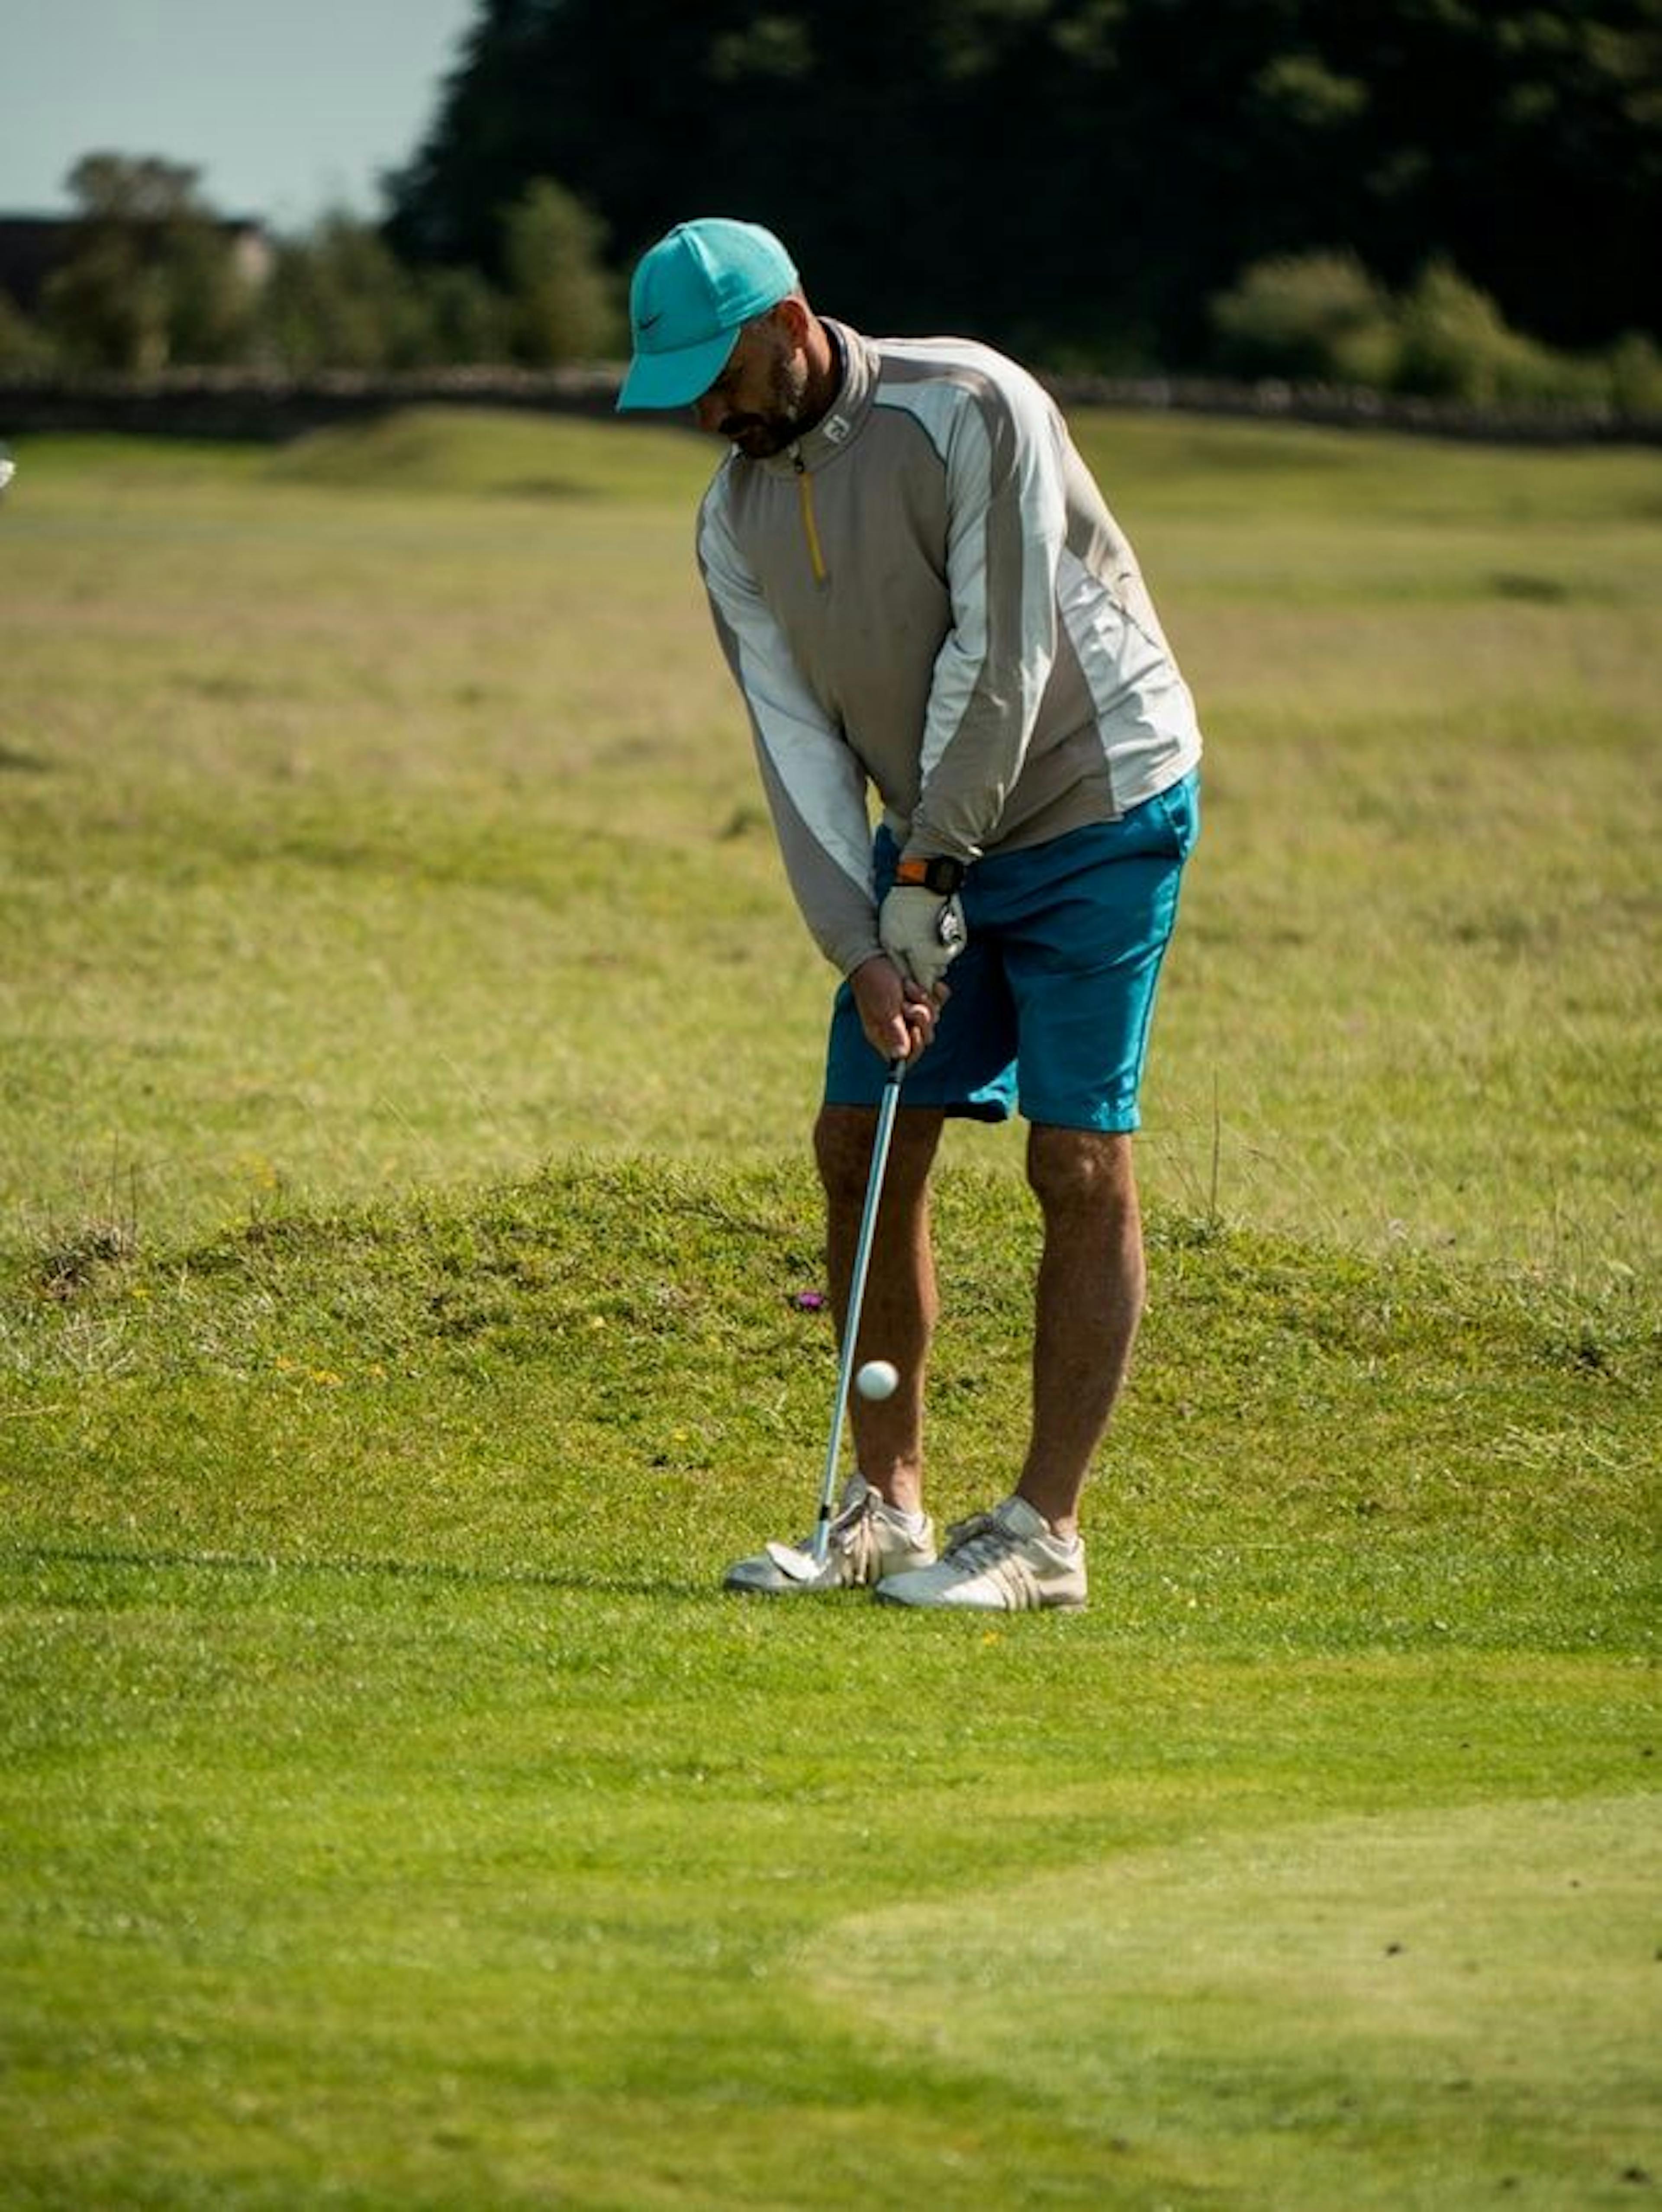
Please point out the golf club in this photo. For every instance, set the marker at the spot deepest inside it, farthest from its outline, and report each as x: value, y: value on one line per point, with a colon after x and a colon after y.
x: 804, y: 1564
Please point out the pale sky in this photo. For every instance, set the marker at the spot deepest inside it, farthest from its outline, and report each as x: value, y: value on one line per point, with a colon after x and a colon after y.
x: 287, y: 107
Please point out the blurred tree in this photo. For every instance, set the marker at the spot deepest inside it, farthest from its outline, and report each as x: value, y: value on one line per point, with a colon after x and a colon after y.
x: 563, y: 304
x: 154, y: 275
x: 340, y: 299
x: 1455, y: 344
x: 1521, y: 143
x: 24, y: 346
x: 468, y: 319
x: 1309, y: 315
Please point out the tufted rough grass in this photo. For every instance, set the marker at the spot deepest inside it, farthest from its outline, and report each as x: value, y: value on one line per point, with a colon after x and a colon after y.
x: 377, y: 813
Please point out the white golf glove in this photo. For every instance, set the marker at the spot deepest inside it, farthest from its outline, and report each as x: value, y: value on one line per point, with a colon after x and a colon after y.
x: 922, y: 932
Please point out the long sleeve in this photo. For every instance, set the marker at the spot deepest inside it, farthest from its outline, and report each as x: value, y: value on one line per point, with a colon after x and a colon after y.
x: 815, y: 784
x: 1007, y: 496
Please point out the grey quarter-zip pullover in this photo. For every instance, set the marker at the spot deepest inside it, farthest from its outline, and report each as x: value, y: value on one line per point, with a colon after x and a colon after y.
x: 928, y: 597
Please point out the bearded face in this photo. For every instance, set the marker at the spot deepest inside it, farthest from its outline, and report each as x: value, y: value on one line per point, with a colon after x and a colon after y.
x: 760, y: 401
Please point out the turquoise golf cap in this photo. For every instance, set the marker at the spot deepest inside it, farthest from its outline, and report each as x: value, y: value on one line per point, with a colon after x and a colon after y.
x: 691, y: 293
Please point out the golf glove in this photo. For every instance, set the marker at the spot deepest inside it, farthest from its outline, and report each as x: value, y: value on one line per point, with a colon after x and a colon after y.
x: 922, y: 932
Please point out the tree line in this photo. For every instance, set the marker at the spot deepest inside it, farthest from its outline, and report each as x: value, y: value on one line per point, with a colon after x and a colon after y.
x: 155, y: 278
x: 1453, y: 197
x: 1083, y: 179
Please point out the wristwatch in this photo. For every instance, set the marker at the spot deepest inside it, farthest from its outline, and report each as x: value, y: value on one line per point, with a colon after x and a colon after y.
x: 939, y: 873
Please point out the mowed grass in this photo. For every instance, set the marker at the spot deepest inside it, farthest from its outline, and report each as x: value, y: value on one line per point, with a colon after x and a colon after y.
x: 396, y: 1813
x: 405, y: 1069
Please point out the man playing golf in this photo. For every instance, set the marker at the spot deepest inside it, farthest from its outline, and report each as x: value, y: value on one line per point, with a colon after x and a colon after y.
x: 921, y: 593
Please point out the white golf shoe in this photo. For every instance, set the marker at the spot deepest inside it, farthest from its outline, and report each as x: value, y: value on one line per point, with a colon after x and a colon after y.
x: 1005, y: 1561
x: 869, y: 1540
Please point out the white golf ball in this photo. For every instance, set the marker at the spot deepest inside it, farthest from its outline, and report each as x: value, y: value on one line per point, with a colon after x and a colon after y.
x: 878, y: 1378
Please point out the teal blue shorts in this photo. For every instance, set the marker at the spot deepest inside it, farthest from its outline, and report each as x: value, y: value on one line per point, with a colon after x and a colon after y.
x: 1053, y: 993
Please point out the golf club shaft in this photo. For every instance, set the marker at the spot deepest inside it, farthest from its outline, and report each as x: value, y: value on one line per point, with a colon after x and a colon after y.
x: 820, y: 1542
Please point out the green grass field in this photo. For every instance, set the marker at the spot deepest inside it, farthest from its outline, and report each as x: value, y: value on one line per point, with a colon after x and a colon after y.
x: 406, y: 1058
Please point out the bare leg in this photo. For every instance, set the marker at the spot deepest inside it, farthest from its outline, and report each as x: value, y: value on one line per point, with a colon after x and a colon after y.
x: 898, y: 1319
x: 1088, y: 1303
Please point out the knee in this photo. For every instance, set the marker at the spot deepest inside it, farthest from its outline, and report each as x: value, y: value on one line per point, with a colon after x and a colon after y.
x: 843, y: 1140
x: 1083, y: 1172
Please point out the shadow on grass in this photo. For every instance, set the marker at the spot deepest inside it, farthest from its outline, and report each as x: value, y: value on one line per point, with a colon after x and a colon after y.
x: 413, y: 1571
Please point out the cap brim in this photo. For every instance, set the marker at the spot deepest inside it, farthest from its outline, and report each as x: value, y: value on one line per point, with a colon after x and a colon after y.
x: 676, y: 380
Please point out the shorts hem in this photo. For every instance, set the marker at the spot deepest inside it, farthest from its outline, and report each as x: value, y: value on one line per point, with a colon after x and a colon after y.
x: 1111, y: 1121
x: 992, y: 1111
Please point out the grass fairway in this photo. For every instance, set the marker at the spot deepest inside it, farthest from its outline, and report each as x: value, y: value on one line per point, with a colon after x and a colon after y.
x: 404, y: 1078
x: 1182, y: 1983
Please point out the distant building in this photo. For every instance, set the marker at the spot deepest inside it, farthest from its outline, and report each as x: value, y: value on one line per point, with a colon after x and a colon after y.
x: 32, y: 247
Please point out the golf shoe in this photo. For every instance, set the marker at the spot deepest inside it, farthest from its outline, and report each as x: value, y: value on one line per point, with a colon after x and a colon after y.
x: 1008, y: 1560
x: 869, y: 1540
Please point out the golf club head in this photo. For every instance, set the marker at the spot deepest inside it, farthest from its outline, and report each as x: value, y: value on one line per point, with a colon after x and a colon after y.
x: 798, y: 1564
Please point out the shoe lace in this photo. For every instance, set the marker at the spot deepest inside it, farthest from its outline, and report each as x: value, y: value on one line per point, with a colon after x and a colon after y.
x: 978, y: 1541
x: 842, y: 1528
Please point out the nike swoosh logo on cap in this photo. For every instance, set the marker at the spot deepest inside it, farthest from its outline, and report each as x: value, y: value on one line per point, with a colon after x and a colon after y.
x: 650, y: 322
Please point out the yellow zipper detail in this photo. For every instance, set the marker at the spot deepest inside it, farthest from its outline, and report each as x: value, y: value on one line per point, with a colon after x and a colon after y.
x: 804, y: 494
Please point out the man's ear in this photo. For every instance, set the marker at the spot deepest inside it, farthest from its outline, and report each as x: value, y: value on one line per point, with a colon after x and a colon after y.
x: 791, y: 316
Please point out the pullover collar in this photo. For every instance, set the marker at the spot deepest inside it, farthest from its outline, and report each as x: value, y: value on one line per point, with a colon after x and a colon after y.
x: 845, y: 417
